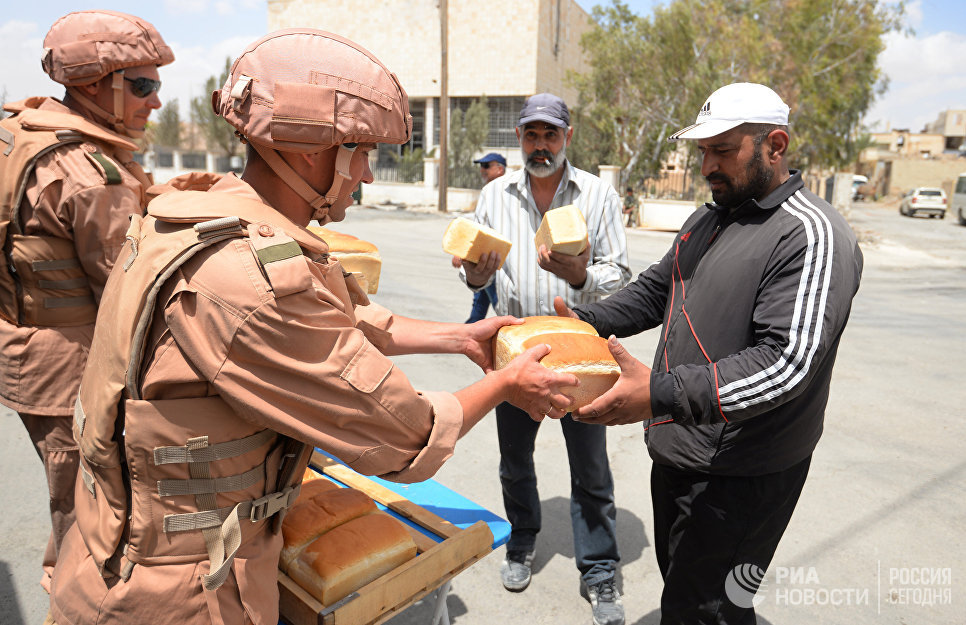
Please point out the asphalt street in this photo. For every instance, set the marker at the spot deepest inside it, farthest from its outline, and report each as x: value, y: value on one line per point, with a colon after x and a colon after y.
x: 877, y: 536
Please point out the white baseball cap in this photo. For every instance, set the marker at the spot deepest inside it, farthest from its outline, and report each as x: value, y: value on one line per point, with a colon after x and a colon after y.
x: 733, y: 105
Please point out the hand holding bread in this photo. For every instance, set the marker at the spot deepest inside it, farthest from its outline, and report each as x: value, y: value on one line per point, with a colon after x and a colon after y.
x: 629, y: 401
x: 575, y: 350
x: 534, y: 388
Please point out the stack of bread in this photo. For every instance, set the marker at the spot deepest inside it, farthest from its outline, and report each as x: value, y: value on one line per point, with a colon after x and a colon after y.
x: 574, y: 348
x: 470, y: 240
x: 358, y: 257
x: 562, y: 230
x: 335, y: 540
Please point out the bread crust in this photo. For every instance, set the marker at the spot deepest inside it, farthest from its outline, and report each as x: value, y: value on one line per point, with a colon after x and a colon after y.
x: 351, y: 555
x: 318, y: 510
x: 575, y: 348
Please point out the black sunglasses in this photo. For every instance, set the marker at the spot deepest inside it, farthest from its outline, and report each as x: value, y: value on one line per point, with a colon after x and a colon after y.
x: 486, y: 165
x: 143, y: 87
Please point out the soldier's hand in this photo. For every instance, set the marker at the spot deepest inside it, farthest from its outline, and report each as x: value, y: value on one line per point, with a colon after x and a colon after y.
x: 479, y: 340
x: 534, y: 388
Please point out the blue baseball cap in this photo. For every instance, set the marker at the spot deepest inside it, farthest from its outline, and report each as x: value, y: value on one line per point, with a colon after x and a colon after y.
x: 492, y: 157
x: 545, y: 107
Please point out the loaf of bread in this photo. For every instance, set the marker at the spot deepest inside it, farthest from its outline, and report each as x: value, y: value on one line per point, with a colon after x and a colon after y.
x: 575, y: 348
x: 562, y: 230
x: 358, y: 257
x: 351, y: 555
x: 316, y: 511
x: 470, y: 240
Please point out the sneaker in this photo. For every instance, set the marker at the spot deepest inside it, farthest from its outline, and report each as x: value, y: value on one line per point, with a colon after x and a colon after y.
x: 605, y: 601
x: 516, y: 569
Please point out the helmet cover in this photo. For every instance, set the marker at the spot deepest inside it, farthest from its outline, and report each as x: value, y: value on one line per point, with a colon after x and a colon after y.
x: 83, y: 47
x: 305, y: 90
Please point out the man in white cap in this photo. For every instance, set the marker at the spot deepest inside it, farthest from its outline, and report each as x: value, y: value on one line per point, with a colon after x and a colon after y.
x: 69, y: 183
x: 230, y: 343
x: 753, y: 296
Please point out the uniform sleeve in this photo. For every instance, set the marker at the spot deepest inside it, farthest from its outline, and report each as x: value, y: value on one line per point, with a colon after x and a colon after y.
x: 803, y: 303
x: 298, y: 365
x: 100, y: 219
x: 609, y: 269
x: 70, y: 199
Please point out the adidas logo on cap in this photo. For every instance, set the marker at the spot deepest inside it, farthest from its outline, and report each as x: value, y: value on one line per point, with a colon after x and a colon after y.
x: 706, y: 109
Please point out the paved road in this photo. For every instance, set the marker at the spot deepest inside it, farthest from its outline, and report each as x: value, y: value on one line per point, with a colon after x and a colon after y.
x: 879, y: 528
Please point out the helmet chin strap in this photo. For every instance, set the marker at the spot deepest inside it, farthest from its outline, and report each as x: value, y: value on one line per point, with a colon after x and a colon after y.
x: 319, y: 202
x: 115, y: 119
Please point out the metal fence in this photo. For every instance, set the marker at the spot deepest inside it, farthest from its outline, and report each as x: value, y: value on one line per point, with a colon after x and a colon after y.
x: 668, y: 185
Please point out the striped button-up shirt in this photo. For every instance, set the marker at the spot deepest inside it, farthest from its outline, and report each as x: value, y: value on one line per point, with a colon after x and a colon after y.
x: 523, y: 288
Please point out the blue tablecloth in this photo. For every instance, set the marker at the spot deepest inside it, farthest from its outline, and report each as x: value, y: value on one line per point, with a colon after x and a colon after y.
x: 444, y: 503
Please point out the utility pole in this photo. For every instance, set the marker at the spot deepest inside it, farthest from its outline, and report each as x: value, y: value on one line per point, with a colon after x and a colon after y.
x: 443, y: 104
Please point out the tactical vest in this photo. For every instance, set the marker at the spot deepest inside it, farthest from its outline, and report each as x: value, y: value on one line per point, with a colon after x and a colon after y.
x: 194, y: 481
x: 41, y: 279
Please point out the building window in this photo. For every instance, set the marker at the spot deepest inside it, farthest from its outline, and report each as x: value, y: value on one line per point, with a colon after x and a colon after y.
x: 418, y: 111
x: 504, y: 112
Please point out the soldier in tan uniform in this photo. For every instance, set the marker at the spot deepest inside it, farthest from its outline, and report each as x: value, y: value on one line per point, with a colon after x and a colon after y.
x: 235, y: 344
x: 68, y: 184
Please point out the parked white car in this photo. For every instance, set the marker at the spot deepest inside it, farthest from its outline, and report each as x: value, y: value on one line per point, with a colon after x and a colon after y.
x: 929, y: 200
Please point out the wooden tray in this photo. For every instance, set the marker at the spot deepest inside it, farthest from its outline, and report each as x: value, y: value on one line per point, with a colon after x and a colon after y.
x: 383, y: 598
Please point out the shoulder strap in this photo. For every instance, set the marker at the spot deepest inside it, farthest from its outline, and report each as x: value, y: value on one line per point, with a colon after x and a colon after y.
x: 112, y: 175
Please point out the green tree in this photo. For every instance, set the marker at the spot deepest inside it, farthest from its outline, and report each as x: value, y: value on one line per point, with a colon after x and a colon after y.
x: 467, y: 133
x: 649, y: 76
x: 219, y: 135
x: 168, y: 130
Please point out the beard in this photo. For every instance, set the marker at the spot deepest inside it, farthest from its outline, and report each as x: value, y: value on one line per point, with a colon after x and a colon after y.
x: 758, y: 181
x: 545, y: 169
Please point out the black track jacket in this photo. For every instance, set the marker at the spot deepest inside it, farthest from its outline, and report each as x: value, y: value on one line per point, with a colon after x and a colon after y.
x: 753, y: 305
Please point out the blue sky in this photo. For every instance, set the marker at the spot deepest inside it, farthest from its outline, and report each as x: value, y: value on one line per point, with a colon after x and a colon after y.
x: 927, y: 70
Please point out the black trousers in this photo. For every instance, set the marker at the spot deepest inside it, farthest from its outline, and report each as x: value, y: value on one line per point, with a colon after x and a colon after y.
x: 706, y: 526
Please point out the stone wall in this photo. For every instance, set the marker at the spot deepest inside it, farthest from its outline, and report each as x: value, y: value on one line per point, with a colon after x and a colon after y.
x: 908, y: 174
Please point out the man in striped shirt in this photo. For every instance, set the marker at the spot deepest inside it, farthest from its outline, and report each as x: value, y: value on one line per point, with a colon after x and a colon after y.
x: 753, y: 295
x: 527, y: 284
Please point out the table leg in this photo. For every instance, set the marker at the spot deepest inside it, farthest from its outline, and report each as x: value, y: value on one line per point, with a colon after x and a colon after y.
x: 441, y: 613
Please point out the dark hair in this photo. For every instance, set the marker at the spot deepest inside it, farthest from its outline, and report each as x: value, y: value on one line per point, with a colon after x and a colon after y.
x: 760, y: 131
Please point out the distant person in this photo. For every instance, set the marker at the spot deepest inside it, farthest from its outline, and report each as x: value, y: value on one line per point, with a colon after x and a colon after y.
x: 69, y: 167
x: 630, y: 207
x: 735, y: 402
x: 492, y: 166
x: 527, y: 283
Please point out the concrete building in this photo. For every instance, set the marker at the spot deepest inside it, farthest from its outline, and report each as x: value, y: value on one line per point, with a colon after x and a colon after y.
x: 951, y: 124
x: 503, y: 49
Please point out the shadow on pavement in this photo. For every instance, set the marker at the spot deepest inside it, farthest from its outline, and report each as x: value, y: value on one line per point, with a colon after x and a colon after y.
x: 654, y: 618
x: 556, y: 537
x: 9, y: 606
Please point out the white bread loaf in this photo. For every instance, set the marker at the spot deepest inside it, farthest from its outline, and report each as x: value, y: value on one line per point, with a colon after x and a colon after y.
x: 470, y: 240
x: 358, y: 257
x: 562, y: 230
x: 575, y: 348
x: 351, y: 555
x: 318, y: 509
